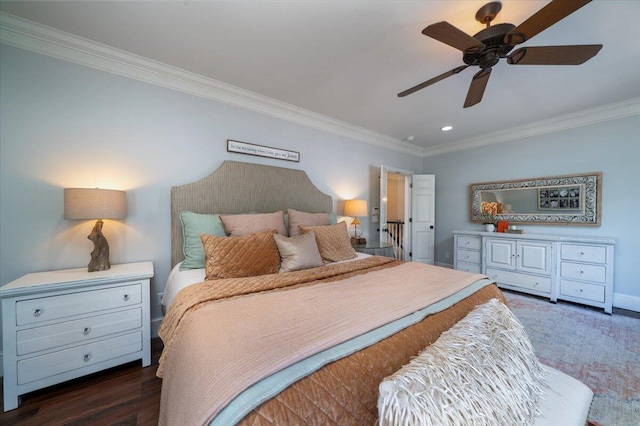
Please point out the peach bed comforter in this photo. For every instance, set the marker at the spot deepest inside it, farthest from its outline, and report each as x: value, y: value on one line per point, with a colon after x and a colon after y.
x: 223, y: 336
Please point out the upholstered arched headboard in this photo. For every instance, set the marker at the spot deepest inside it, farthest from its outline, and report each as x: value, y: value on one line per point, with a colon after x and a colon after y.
x: 237, y: 187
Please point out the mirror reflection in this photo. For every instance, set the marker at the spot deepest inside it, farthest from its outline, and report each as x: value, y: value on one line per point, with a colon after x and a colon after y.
x: 561, y: 199
x: 571, y: 199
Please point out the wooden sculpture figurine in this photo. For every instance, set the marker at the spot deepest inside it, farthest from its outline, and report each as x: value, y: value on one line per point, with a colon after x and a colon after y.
x: 100, y: 253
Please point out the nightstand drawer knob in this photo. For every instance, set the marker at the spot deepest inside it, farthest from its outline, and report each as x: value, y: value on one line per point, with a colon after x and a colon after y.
x: 86, y: 357
x: 125, y: 297
x: 37, y: 312
x: 86, y: 330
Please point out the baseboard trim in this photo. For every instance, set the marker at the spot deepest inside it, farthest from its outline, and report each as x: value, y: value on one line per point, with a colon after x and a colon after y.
x: 155, y: 325
x: 624, y: 301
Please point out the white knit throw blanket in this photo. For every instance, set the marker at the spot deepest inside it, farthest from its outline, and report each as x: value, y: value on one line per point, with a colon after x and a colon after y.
x: 482, y: 371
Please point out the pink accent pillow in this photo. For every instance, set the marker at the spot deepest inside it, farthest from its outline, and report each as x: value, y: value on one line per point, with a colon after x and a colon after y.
x: 243, y: 224
x: 297, y: 219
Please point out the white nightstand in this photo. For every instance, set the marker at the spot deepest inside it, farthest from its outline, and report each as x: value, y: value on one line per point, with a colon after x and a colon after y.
x: 60, y: 325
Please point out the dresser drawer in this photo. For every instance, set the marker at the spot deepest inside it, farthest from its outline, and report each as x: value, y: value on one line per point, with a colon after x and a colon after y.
x: 64, y: 333
x: 584, y: 253
x: 472, y: 243
x: 580, y: 271
x: 529, y: 282
x: 469, y: 267
x: 468, y: 256
x: 592, y: 292
x: 34, y: 311
x: 48, y: 365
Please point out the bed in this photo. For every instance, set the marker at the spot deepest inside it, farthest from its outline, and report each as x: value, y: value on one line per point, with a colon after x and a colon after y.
x: 311, y: 344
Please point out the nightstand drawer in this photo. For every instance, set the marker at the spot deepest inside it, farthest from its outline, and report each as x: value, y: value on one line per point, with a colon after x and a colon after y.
x: 584, y: 253
x: 472, y: 243
x: 48, y: 308
x: 579, y: 271
x: 468, y: 256
x: 530, y: 282
x: 40, y: 367
x: 64, y: 333
x: 585, y: 291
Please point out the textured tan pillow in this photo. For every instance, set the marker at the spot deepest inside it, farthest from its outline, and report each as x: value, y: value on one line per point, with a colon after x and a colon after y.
x: 298, y: 252
x: 333, y: 241
x: 297, y: 218
x: 244, y: 256
x: 243, y: 224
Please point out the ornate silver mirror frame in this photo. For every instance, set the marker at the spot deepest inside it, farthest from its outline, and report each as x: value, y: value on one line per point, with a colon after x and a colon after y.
x: 554, y: 200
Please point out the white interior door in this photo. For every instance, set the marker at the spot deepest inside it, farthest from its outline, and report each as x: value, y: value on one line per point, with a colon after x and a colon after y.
x: 423, y: 218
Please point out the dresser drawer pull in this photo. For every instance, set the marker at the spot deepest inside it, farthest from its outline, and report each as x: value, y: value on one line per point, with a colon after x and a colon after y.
x: 86, y: 357
x: 37, y: 312
x: 125, y: 297
x: 86, y: 330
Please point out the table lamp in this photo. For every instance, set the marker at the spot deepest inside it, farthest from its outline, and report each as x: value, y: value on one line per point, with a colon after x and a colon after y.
x: 94, y: 203
x: 355, y: 208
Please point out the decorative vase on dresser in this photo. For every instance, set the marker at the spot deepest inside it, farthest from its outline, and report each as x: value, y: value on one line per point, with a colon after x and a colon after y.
x: 561, y: 267
x: 489, y: 227
x: 60, y: 325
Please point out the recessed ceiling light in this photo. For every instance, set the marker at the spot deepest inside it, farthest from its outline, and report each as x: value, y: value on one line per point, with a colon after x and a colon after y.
x: 410, y: 138
x: 447, y: 128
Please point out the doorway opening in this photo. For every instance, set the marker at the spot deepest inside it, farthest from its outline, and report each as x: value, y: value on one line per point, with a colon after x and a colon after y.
x: 396, y: 213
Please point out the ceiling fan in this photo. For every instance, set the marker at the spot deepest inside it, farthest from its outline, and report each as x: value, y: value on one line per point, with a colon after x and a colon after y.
x: 487, y: 47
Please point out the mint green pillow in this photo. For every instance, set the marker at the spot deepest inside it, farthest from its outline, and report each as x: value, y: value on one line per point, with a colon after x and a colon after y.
x: 194, y: 225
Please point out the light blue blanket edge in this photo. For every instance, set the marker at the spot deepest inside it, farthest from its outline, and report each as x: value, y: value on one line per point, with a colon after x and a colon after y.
x: 268, y: 387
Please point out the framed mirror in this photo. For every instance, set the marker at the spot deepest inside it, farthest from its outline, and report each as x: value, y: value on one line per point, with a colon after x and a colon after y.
x: 554, y: 200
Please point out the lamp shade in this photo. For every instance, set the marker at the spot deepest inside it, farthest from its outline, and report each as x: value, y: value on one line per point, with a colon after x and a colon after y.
x: 355, y: 208
x: 94, y: 203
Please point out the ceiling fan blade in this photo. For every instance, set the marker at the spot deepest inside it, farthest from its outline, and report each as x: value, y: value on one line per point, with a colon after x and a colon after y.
x: 454, y: 37
x: 543, y: 19
x: 433, y: 80
x: 476, y: 90
x: 554, y: 55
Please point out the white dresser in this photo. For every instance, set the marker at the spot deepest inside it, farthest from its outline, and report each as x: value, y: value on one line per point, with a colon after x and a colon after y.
x: 560, y: 267
x: 60, y: 325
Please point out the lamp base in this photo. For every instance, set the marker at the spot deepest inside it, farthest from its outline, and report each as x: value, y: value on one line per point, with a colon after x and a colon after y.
x: 355, y: 241
x: 100, y: 253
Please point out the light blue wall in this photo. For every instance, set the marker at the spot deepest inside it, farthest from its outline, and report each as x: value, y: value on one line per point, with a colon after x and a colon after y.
x: 611, y: 147
x: 64, y: 125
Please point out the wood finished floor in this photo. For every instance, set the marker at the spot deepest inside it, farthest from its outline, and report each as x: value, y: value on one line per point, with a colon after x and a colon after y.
x: 125, y: 395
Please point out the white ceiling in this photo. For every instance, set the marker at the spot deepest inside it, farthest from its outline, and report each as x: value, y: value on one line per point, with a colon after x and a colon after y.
x: 349, y: 59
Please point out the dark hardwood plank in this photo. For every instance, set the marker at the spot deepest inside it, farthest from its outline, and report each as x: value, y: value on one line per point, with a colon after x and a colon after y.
x: 124, y: 395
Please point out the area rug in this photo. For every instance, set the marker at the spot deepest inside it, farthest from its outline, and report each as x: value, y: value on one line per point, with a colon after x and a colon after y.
x: 602, y: 351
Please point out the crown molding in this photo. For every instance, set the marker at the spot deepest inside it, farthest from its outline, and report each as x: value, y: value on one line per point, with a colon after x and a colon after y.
x: 613, y: 111
x: 34, y: 37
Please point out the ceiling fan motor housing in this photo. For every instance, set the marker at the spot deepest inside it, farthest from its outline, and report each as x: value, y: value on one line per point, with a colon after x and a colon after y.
x: 493, y: 38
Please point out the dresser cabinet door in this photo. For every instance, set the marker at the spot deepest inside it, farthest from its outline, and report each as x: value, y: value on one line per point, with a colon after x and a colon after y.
x: 533, y: 257
x: 500, y: 253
